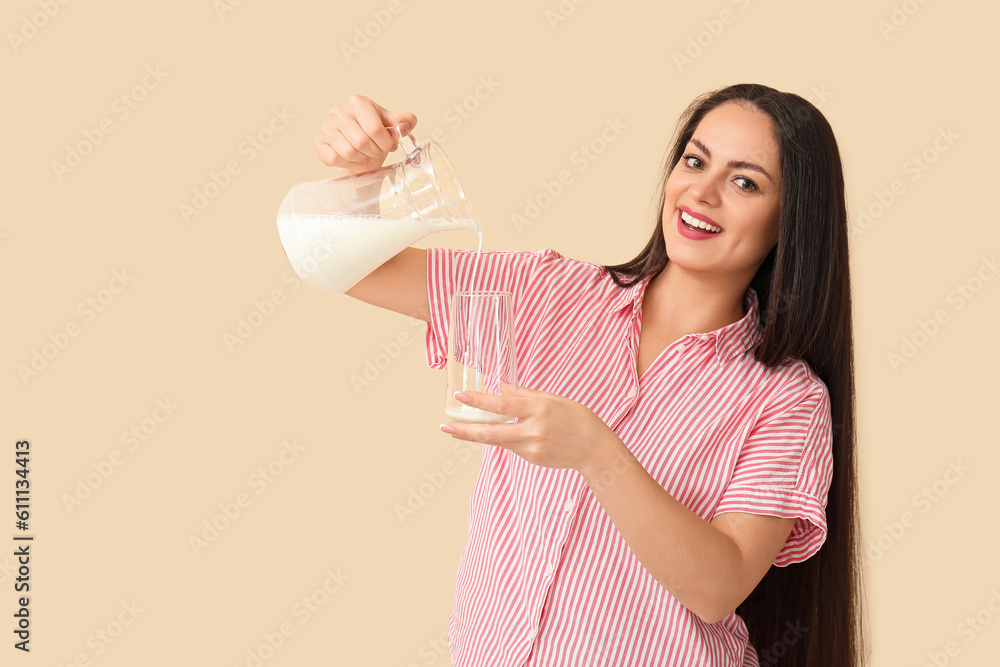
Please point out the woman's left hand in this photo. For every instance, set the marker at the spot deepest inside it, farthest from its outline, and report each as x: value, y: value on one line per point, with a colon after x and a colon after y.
x: 551, y: 431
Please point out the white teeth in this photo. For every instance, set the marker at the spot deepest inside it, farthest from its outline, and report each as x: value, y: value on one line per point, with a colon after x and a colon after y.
x: 694, y: 222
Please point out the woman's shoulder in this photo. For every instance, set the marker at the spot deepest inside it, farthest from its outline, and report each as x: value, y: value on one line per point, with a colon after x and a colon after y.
x: 796, y: 380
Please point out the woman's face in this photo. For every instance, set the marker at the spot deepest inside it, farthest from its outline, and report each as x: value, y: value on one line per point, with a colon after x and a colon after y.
x: 729, y: 178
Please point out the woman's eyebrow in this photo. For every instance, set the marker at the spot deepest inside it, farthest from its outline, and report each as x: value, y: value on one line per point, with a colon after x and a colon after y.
x: 733, y: 164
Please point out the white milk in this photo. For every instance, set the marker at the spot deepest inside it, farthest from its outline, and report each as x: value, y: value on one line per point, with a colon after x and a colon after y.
x: 475, y: 267
x: 475, y: 416
x: 462, y: 377
x: 335, y: 252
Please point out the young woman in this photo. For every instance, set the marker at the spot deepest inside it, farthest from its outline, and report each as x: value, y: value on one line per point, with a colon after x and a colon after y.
x: 679, y: 487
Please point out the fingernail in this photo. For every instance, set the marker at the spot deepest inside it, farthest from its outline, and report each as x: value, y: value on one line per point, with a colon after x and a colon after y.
x: 447, y: 428
x: 462, y: 396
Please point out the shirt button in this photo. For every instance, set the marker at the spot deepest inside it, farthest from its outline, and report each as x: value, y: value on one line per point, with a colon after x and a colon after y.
x: 704, y: 339
x: 680, y: 348
x: 549, y: 570
x: 532, y: 632
x: 631, y: 392
x: 569, y: 505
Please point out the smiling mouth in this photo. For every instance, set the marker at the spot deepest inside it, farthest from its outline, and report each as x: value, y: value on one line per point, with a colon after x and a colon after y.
x: 698, y: 225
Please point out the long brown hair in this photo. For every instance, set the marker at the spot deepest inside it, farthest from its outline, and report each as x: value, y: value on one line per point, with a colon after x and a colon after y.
x: 808, y: 613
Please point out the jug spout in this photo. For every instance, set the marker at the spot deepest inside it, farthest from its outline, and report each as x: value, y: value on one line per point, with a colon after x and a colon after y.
x: 434, y: 190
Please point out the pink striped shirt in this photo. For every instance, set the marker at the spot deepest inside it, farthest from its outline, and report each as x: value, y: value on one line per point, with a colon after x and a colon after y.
x: 545, y: 578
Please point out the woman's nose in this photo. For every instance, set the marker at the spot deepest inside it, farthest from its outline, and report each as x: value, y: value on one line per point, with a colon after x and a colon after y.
x: 707, y: 188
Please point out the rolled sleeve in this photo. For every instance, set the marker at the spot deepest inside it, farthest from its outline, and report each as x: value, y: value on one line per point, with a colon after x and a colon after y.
x: 450, y: 270
x: 785, y: 468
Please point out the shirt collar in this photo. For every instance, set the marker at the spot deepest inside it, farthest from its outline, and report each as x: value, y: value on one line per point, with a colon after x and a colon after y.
x: 731, y: 340
x: 631, y: 295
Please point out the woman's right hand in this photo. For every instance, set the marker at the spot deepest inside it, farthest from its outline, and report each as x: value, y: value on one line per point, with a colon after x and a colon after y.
x: 354, y: 135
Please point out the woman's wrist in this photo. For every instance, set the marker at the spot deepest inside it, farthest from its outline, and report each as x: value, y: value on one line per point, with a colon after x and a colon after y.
x: 610, y: 459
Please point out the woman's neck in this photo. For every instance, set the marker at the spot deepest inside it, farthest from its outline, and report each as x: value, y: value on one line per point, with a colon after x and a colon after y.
x: 678, y: 302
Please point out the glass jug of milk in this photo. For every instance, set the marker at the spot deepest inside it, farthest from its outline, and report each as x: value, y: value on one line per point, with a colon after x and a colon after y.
x: 337, y: 231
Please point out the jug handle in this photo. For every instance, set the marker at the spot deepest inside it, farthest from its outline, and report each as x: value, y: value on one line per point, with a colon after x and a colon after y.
x: 398, y: 136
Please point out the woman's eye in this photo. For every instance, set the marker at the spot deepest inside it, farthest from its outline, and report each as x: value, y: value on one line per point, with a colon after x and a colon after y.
x: 746, y: 184
x: 693, y: 161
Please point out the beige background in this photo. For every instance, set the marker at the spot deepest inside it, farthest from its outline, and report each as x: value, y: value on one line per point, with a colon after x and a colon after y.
x: 333, y: 507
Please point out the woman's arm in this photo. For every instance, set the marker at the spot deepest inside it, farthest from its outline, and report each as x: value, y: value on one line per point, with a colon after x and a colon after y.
x: 710, y: 567
x: 354, y: 136
x: 399, y: 285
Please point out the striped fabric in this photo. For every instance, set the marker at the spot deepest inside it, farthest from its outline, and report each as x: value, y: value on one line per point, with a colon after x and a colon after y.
x: 545, y: 579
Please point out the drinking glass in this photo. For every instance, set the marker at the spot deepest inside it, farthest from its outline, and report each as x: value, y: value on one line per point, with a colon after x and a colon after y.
x: 481, y: 352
